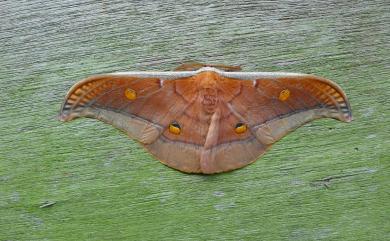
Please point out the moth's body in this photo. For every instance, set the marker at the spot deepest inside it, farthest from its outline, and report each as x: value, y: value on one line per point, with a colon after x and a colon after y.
x: 208, y: 120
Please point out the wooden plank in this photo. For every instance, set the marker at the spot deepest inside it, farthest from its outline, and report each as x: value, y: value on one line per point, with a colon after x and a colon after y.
x: 85, y: 180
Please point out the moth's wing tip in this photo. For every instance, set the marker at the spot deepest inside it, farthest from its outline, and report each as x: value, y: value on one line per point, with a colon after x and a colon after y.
x: 347, y: 111
x: 64, y: 117
x: 61, y: 117
x: 349, y: 118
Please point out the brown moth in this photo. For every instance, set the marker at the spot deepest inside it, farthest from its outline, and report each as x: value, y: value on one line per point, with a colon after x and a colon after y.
x: 206, y: 118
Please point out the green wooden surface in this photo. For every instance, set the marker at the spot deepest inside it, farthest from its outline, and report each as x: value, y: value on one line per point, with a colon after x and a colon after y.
x: 326, y: 181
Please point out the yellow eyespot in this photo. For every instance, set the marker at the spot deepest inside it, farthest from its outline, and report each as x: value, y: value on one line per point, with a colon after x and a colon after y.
x: 130, y: 94
x: 174, y: 128
x: 284, y: 94
x: 241, y: 128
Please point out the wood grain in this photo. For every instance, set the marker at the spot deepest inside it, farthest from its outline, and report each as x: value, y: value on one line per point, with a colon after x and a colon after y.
x: 326, y: 181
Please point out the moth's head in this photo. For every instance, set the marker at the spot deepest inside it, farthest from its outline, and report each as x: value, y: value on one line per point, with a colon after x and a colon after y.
x: 207, y: 78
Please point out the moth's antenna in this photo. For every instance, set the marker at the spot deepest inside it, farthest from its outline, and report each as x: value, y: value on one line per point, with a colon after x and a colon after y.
x: 193, y: 66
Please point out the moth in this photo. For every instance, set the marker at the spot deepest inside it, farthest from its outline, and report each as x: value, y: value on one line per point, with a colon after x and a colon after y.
x: 206, y: 118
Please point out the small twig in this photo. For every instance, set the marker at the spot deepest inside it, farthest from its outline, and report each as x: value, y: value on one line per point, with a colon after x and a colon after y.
x: 47, y: 204
x: 328, y: 179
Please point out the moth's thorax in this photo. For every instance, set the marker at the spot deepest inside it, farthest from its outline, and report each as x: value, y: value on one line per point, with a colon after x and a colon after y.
x: 208, y: 91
